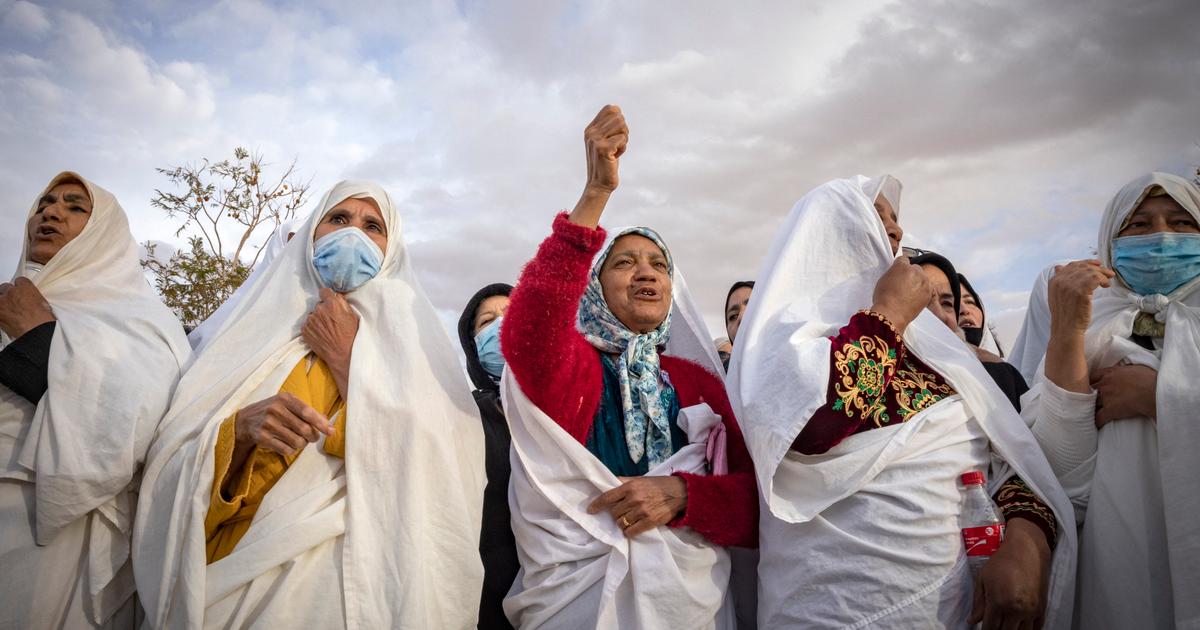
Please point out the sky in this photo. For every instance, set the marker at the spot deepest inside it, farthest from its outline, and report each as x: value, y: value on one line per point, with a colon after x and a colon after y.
x: 1011, y: 123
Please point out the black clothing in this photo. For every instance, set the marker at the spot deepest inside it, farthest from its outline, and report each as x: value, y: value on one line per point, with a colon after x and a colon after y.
x: 939, y: 261
x: 497, y: 547
x: 1008, y: 378
x: 25, y: 361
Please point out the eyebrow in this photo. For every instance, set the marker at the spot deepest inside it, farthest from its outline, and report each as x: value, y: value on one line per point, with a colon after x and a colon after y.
x: 72, y: 197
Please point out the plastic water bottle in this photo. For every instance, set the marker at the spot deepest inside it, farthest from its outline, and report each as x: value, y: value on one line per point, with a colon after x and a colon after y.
x: 980, y: 520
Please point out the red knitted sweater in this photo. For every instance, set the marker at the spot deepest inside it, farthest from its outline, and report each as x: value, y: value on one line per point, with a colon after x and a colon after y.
x: 561, y: 373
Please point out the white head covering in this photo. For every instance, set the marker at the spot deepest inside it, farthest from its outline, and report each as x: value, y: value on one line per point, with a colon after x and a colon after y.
x: 578, y: 570
x: 208, y: 328
x: 821, y: 269
x: 1108, y: 343
x: 407, y: 503
x: 114, y: 360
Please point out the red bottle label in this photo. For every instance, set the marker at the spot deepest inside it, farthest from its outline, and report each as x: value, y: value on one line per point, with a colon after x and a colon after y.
x: 982, y: 541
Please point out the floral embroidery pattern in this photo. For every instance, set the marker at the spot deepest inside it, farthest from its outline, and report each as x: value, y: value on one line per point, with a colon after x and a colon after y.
x: 864, y: 367
x: 917, y: 391
x: 1015, y: 497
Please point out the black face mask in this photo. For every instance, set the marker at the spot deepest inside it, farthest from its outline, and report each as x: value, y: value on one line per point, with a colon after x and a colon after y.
x: 974, y: 335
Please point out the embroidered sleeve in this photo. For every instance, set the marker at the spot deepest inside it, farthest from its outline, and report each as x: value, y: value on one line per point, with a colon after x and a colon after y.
x: 863, y: 360
x: 1017, y: 500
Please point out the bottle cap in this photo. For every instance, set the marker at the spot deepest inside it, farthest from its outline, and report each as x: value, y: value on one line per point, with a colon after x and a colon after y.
x: 972, y: 478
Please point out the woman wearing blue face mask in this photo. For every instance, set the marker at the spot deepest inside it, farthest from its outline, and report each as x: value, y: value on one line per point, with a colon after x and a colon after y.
x: 479, y: 334
x: 1114, y: 407
x: 322, y: 459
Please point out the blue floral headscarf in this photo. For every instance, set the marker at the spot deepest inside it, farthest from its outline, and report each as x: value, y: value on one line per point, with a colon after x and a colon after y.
x: 647, y: 427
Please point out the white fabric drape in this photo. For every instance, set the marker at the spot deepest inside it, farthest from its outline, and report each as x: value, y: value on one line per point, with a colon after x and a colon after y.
x: 824, y: 516
x: 202, y: 334
x: 69, y: 464
x: 578, y: 570
x: 386, y: 539
x: 1030, y: 346
x: 1133, y: 482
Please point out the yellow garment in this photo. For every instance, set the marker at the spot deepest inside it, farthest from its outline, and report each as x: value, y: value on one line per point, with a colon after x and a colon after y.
x: 229, y: 517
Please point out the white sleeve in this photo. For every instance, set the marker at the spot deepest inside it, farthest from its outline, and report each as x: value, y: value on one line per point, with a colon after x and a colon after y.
x: 1064, y: 424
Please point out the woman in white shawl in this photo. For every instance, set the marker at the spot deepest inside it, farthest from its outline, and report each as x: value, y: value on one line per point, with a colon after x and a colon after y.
x: 100, y: 357
x: 859, y: 446
x: 244, y: 520
x: 1115, y: 407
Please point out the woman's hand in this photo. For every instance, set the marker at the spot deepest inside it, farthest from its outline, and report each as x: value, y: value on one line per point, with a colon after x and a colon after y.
x: 640, y: 504
x: 605, y: 140
x: 1125, y: 391
x: 329, y: 331
x: 282, y: 423
x: 1069, y: 293
x: 22, y: 308
x: 902, y: 293
x: 1010, y: 591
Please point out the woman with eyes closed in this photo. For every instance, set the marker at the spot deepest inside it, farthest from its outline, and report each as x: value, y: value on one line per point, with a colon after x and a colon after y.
x: 630, y: 475
x: 322, y: 462
x: 89, y: 357
x: 1114, y: 407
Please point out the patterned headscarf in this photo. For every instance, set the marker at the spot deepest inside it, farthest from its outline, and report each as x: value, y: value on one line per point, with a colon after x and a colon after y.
x: 647, y: 427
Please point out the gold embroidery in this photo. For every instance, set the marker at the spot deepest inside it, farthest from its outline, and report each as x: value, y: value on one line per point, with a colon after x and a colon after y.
x: 864, y: 366
x: 917, y: 391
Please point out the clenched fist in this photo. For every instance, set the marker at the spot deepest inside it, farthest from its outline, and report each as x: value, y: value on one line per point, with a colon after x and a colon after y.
x: 22, y: 308
x: 605, y: 140
x: 902, y: 293
x: 1070, y: 294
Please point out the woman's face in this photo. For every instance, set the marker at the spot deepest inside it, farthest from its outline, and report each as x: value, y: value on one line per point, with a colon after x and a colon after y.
x: 60, y: 216
x: 636, y: 283
x: 363, y: 214
x: 735, y: 310
x: 1159, y: 214
x: 489, y: 310
x: 969, y: 313
x: 891, y: 223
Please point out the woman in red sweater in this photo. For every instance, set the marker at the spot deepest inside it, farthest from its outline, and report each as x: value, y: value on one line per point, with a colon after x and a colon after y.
x: 583, y: 338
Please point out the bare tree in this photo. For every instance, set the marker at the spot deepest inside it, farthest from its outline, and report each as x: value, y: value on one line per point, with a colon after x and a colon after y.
x: 220, y: 206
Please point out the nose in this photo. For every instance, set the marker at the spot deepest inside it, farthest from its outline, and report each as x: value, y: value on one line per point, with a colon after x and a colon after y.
x: 53, y: 211
x: 645, y: 271
x: 894, y: 232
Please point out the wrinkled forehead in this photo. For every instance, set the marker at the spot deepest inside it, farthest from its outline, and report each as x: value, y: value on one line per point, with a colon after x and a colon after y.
x: 375, y: 208
x: 634, y: 239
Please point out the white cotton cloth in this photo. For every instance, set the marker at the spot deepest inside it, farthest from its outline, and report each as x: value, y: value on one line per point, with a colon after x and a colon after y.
x: 387, y: 538
x: 1134, y: 481
x: 202, y: 334
x: 842, y: 539
x: 1030, y: 347
x: 68, y: 465
x: 578, y: 570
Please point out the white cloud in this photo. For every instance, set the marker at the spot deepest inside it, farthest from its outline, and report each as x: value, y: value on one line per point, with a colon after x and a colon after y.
x: 26, y: 18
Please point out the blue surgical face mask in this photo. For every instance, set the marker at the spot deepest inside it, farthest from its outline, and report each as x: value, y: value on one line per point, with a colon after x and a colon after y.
x: 487, y: 346
x: 346, y: 259
x: 1157, y: 263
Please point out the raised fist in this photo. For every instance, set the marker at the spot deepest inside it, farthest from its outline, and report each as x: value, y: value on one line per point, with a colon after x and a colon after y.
x: 605, y: 139
x: 902, y: 293
x: 1070, y: 294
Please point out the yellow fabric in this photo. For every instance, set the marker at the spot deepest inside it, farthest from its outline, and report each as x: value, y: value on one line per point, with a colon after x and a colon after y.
x: 229, y: 516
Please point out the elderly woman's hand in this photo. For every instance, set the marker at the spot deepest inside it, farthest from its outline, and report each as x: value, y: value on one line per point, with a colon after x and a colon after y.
x: 640, y: 504
x: 1125, y: 391
x: 1010, y: 591
x: 22, y: 308
x: 329, y: 331
x: 281, y: 423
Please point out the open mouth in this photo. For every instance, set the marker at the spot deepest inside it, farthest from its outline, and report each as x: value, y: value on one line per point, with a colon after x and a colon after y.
x: 46, y: 230
x: 647, y: 293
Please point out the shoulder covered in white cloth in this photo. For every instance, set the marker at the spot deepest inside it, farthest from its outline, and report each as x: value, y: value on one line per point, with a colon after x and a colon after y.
x: 413, y: 475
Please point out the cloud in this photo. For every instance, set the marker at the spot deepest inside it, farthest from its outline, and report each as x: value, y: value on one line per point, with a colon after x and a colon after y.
x: 1010, y: 123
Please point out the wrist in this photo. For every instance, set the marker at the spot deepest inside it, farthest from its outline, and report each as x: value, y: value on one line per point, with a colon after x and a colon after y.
x: 892, y: 316
x: 1028, y: 537
x: 590, y: 206
x: 24, y: 327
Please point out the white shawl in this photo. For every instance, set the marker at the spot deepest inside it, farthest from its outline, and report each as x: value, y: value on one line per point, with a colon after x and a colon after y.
x: 578, y: 570
x: 202, y: 334
x: 1138, y: 487
x: 1030, y: 346
x: 386, y: 539
x: 822, y: 268
x: 114, y: 360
